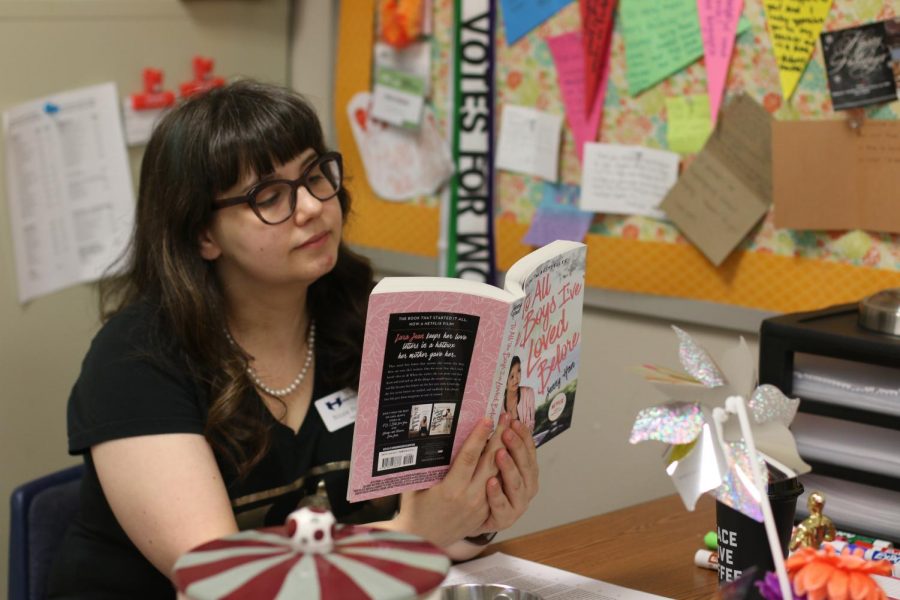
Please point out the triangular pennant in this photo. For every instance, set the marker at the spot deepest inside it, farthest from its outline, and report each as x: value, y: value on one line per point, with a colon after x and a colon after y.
x: 718, y: 24
x: 794, y: 26
x: 568, y: 57
x: 597, y: 18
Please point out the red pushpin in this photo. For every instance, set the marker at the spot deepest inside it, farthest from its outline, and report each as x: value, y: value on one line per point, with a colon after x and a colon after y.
x: 203, y: 77
x: 153, y: 96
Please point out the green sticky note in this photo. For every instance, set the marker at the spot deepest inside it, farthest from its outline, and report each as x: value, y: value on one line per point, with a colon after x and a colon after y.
x: 689, y: 123
x: 661, y: 38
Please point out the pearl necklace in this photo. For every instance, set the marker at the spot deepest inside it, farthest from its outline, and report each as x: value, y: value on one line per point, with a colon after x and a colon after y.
x: 310, y: 350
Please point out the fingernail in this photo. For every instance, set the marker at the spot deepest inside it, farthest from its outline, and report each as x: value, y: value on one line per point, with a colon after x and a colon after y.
x: 508, y: 436
x: 486, y: 422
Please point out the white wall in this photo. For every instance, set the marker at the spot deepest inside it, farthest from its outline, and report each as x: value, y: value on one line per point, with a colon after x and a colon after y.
x: 48, y: 46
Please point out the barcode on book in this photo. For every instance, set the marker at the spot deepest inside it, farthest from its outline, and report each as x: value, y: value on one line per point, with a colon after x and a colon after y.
x: 393, y: 459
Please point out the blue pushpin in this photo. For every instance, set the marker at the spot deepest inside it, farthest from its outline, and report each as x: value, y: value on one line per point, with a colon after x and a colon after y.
x: 50, y: 108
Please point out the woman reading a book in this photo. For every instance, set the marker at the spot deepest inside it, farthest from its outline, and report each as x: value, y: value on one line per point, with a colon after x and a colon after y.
x: 237, y: 319
x: 519, y: 400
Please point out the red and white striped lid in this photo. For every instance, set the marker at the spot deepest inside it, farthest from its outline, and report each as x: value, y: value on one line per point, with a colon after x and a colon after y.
x: 269, y: 563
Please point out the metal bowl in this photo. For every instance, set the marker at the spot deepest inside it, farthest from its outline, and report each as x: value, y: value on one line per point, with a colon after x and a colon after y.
x: 881, y: 312
x: 485, y: 591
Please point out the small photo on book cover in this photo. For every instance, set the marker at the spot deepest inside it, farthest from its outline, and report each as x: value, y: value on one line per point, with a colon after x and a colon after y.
x: 442, y: 418
x: 858, y: 62
x: 420, y: 420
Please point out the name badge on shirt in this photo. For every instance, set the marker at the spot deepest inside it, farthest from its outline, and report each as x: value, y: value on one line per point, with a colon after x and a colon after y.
x: 338, y: 409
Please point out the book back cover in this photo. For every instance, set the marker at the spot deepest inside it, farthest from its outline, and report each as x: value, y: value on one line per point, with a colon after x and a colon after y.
x: 429, y: 362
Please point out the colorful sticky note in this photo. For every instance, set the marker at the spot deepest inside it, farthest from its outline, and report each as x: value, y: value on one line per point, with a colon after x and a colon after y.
x: 558, y: 217
x: 688, y: 124
x: 521, y: 16
x: 596, y: 32
x: 661, y: 38
x: 568, y: 55
x: 718, y: 23
x: 794, y: 26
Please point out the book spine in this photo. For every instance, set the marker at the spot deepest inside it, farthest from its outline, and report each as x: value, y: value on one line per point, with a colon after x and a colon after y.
x: 495, y: 404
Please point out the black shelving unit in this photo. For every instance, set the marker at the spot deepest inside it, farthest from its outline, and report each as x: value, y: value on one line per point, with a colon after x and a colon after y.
x: 831, y: 332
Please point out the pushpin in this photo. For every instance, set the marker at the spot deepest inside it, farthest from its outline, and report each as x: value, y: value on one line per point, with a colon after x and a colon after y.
x: 50, y: 108
x: 153, y: 96
x: 855, y: 119
x: 203, y: 77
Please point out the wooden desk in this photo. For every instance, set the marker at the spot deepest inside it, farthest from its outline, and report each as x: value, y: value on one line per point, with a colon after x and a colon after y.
x: 648, y: 547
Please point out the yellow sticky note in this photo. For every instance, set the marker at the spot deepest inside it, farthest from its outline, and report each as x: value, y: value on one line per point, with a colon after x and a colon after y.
x: 794, y: 27
x: 689, y: 123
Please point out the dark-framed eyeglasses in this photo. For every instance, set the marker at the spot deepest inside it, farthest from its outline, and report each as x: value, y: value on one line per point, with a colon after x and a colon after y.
x: 275, y: 200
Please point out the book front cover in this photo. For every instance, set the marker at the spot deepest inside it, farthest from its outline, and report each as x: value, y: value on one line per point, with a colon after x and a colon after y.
x: 547, y: 347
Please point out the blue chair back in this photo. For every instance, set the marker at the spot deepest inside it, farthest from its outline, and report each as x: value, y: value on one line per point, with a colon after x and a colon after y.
x: 40, y: 512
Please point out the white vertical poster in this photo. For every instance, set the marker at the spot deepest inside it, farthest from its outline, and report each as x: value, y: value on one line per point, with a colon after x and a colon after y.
x: 69, y: 188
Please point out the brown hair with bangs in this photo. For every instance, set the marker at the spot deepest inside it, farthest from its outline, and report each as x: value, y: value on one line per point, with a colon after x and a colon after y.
x: 198, y: 150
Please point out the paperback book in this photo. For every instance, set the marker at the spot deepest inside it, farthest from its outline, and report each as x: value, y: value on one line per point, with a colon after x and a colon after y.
x: 440, y: 354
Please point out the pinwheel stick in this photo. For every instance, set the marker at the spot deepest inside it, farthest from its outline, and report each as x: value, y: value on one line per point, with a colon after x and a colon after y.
x: 738, y: 406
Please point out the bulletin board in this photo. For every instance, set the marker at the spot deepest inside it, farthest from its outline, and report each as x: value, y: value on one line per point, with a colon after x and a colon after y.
x: 773, y: 270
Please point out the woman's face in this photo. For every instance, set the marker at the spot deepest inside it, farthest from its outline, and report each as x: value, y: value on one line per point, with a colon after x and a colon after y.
x: 250, y: 253
x: 515, y: 375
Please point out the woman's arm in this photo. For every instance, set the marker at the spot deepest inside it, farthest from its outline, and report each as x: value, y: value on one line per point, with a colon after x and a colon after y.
x: 166, y: 492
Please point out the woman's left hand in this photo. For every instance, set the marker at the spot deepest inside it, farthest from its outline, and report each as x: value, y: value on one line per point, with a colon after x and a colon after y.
x: 511, y: 492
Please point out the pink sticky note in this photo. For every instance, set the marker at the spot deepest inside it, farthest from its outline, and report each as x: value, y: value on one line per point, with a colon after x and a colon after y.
x: 718, y: 24
x: 568, y: 55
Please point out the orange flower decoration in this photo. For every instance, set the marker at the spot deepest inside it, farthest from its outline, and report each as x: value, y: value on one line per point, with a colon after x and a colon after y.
x: 825, y: 574
x: 401, y: 21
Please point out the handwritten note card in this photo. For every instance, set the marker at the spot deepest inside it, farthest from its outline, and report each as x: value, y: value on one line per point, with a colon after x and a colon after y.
x: 558, y: 217
x: 521, y: 16
x: 596, y: 33
x: 661, y: 38
x: 851, y: 186
x: 728, y: 187
x: 568, y: 56
x: 688, y: 123
x: 529, y: 142
x: 718, y: 23
x: 794, y: 26
x: 627, y: 180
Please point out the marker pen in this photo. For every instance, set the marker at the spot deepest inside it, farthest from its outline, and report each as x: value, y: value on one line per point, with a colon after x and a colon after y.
x: 707, y: 559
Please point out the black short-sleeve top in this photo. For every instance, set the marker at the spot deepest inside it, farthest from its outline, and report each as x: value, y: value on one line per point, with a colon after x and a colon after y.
x: 127, y: 389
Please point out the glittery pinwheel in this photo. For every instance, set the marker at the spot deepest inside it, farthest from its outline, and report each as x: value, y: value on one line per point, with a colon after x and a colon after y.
x: 705, y: 456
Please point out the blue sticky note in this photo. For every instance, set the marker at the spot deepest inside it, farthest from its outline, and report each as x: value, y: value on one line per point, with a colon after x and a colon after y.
x: 521, y: 16
x: 558, y: 217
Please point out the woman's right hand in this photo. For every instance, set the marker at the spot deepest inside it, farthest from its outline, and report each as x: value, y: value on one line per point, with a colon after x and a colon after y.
x: 458, y: 505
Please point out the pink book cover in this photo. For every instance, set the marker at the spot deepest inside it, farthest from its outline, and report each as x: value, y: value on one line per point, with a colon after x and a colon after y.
x: 412, y: 419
